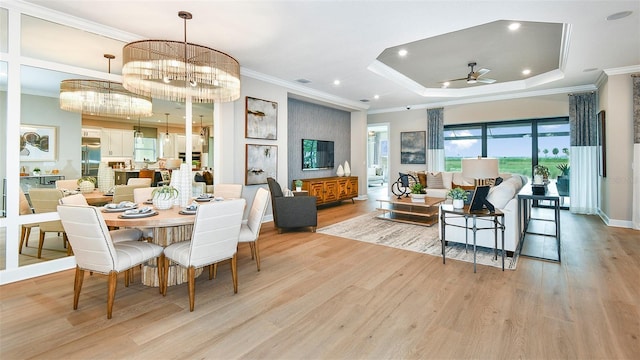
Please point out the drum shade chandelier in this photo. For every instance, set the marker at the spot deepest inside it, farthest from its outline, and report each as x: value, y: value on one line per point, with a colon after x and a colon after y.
x: 103, y: 98
x: 173, y: 70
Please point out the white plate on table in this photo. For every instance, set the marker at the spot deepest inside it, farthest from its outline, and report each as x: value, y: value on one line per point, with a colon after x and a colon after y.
x: 138, y: 215
x: 110, y: 208
x: 187, y: 212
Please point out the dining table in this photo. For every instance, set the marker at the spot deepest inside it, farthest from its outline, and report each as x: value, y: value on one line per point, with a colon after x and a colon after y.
x: 168, y: 226
x: 97, y: 197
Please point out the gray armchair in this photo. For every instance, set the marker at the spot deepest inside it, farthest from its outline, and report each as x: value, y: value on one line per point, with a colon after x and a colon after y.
x: 292, y: 212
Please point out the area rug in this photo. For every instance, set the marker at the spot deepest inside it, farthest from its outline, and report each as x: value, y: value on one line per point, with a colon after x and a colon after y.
x: 422, y: 239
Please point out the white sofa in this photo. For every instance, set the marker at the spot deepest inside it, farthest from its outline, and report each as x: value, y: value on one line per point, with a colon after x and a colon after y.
x: 503, y: 197
x: 375, y: 175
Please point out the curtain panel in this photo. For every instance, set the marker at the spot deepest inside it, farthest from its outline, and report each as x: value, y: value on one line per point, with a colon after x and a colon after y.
x: 635, y: 216
x: 435, y: 139
x: 584, y: 153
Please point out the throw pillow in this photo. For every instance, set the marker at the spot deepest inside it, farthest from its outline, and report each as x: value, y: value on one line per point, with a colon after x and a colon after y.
x: 434, y: 181
x: 198, y: 177
x: 498, y: 181
x: 208, y: 177
x: 422, y: 178
x: 499, y: 196
x: 378, y: 171
x: 287, y: 193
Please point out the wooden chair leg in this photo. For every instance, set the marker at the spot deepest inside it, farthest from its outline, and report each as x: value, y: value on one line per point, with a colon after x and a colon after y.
x: 77, y: 286
x: 23, y: 234
x: 127, y: 277
x: 111, y: 292
x: 66, y: 241
x: 252, y: 246
x: 165, y: 277
x: 210, y: 271
x: 215, y: 270
x: 234, y: 272
x: 40, y: 244
x: 192, y: 287
x: 160, y: 265
x: 26, y: 239
x: 257, y: 254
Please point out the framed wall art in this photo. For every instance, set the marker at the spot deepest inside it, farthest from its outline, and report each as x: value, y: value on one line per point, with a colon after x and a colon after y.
x: 413, y: 147
x: 261, y: 119
x: 262, y: 162
x: 38, y: 143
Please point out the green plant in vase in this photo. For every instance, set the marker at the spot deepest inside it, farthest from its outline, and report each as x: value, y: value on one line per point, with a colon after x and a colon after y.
x: 164, y: 197
x: 298, y: 184
x: 459, y: 196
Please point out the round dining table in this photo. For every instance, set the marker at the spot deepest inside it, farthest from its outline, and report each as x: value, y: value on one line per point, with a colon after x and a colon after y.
x: 168, y: 226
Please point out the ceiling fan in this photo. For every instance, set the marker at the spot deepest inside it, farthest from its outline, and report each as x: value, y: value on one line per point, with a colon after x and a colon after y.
x: 476, y: 76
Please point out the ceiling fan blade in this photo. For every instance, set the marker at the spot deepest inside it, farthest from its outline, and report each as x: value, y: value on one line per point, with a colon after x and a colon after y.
x: 481, y: 72
x: 486, y: 81
x: 464, y: 78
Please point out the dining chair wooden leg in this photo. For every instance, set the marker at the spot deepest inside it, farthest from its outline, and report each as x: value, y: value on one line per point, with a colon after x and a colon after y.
x: 165, y: 277
x: 65, y: 239
x: 192, y: 287
x: 255, y: 244
x: 210, y: 271
x: 160, y: 266
x: 77, y: 286
x: 127, y: 277
x: 111, y: 292
x: 215, y: 270
x: 234, y: 272
x: 252, y: 246
x: 40, y: 244
x: 24, y: 234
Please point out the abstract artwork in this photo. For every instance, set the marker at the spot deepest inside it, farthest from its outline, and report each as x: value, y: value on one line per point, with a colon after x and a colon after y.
x: 413, y: 147
x: 38, y: 143
x: 262, y: 162
x: 261, y: 119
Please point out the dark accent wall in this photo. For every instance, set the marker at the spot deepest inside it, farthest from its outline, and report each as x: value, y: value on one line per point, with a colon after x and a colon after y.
x: 311, y: 121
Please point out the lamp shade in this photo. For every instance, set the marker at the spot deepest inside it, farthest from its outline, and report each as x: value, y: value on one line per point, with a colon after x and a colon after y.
x: 480, y: 168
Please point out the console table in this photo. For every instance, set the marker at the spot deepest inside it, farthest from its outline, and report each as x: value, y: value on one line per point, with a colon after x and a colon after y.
x: 407, y: 211
x: 525, y: 197
x: 331, y: 189
x: 496, y: 218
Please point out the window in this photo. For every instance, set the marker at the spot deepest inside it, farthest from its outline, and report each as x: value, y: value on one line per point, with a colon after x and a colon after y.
x: 145, y: 150
x: 511, y: 144
x: 461, y: 142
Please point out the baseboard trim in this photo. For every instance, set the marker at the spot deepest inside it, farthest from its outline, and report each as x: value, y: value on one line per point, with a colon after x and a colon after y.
x: 614, y: 222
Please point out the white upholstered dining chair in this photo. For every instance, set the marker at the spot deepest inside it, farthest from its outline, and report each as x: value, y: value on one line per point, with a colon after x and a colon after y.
x: 46, y: 200
x: 140, y: 181
x: 68, y: 184
x: 96, y: 251
x: 140, y: 195
x: 214, y: 238
x: 250, y: 231
x: 25, y: 229
x: 227, y: 191
x: 77, y: 199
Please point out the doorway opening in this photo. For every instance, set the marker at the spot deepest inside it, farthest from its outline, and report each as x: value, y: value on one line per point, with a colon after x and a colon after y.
x: 378, y: 155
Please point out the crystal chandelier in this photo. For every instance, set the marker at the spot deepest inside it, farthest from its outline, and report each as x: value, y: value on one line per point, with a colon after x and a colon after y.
x: 103, y: 98
x: 173, y: 70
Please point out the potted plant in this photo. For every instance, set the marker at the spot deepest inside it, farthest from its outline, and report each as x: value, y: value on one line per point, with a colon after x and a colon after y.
x: 36, y: 171
x: 87, y: 184
x: 562, y: 183
x: 164, y: 197
x: 540, y: 174
x: 418, y: 192
x: 298, y: 185
x: 459, y: 196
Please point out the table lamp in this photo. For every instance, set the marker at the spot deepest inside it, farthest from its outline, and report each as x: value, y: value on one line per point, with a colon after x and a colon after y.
x: 480, y: 169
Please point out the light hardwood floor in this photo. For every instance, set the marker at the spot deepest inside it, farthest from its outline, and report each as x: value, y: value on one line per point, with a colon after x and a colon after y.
x: 323, y: 297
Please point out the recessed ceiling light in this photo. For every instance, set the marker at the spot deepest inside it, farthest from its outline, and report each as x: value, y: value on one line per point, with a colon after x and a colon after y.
x: 526, y: 71
x: 364, y: 100
x: 514, y: 26
x: 619, y: 15
x: 445, y: 84
x: 402, y: 52
x: 376, y: 97
x: 336, y: 82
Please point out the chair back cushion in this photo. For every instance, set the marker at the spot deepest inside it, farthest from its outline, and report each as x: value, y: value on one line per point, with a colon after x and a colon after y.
x: 215, y: 232
x: 25, y: 207
x: 140, y: 195
x: 77, y: 199
x: 71, y: 184
x: 45, y: 200
x: 228, y: 191
x: 140, y: 181
x: 274, y: 188
x: 125, y: 192
x: 89, y: 237
x: 258, y: 208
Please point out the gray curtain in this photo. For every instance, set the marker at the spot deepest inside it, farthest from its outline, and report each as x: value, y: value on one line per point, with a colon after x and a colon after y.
x: 435, y: 139
x: 636, y: 152
x: 584, y: 153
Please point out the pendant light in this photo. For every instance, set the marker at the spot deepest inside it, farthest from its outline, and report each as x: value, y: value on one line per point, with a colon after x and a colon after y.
x: 103, y: 98
x: 201, y: 131
x: 177, y: 70
x: 166, y: 135
x: 139, y: 135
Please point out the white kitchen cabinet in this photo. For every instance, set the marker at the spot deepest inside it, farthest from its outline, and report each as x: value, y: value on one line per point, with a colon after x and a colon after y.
x: 180, y: 141
x: 91, y: 133
x: 116, y: 142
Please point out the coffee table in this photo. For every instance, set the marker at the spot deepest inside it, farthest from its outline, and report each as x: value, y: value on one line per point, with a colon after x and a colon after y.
x: 405, y: 210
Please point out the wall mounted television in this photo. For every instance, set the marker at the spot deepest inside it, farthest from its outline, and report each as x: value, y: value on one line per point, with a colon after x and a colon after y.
x: 317, y: 154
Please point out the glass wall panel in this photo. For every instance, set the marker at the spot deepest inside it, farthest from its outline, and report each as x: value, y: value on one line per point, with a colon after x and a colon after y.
x: 461, y: 142
x: 4, y: 30
x: 553, y: 152
x: 46, y: 40
x: 511, y: 144
x: 3, y: 134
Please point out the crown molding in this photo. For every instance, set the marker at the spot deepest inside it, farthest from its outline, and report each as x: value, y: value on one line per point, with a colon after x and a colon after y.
x: 622, y: 70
